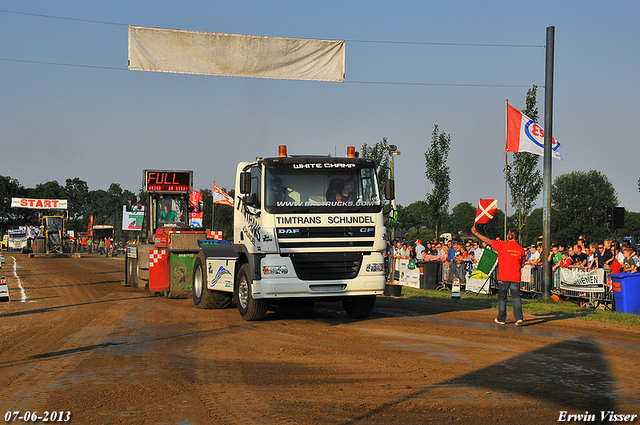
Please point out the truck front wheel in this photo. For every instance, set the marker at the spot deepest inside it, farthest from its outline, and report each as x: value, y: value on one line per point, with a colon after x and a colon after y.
x: 359, y: 307
x: 250, y: 309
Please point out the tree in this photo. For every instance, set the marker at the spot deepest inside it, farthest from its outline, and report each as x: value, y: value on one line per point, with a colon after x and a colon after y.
x: 523, y: 176
x: 437, y: 171
x: 534, y: 227
x: 48, y: 190
x: 631, y: 225
x: 379, y: 152
x: 11, y: 217
x: 77, y: 194
x: 223, y: 214
x: 579, y: 200
x: 462, y: 218
x: 106, y: 206
x: 412, y: 218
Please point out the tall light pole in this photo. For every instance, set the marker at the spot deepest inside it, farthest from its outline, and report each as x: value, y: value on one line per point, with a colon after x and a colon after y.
x: 393, y: 152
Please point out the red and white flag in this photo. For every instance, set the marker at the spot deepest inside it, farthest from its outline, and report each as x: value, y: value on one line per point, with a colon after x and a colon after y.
x: 219, y: 197
x: 487, y: 209
x: 195, y: 216
x: 525, y: 135
x: 195, y: 198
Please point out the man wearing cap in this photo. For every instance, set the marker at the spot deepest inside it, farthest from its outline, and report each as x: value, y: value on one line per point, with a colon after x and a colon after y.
x: 510, y: 259
x: 419, y: 249
x: 532, y: 255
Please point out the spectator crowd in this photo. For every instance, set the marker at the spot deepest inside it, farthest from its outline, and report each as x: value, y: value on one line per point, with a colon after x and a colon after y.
x: 459, y: 259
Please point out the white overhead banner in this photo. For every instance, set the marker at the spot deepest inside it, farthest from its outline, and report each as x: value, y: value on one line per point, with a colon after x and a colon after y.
x: 39, y: 204
x: 233, y: 55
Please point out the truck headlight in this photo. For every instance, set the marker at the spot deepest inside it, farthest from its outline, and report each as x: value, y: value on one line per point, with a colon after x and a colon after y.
x: 375, y: 267
x: 275, y: 270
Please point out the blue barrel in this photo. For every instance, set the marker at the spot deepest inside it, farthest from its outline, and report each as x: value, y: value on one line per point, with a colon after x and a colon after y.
x: 626, y: 292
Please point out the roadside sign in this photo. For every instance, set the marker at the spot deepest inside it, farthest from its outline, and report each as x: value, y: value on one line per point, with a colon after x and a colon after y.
x: 4, y: 289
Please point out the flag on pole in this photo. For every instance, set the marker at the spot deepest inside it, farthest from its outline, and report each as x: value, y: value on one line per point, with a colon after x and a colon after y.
x: 195, y: 216
x: 487, y: 209
x: 525, y: 135
x: 219, y: 197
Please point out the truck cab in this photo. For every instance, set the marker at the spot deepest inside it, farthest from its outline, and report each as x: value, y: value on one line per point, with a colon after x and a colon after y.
x: 306, y: 229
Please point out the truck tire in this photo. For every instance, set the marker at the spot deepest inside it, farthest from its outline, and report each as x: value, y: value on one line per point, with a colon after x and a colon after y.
x: 132, y: 271
x: 250, y: 309
x: 142, y: 262
x: 39, y: 245
x: 202, y: 296
x: 359, y: 307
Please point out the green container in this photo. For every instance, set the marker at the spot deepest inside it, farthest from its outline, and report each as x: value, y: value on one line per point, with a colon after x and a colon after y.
x: 181, y: 273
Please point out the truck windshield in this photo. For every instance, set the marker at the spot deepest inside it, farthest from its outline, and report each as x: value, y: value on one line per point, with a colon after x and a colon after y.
x: 171, y: 210
x: 53, y: 224
x: 321, y: 189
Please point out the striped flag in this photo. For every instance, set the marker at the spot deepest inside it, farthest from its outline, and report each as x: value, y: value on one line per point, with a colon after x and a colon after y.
x: 525, y: 135
x: 487, y: 209
x: 219, y: 197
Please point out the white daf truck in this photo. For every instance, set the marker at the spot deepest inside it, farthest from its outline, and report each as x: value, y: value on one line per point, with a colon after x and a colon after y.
x: 306, y: 229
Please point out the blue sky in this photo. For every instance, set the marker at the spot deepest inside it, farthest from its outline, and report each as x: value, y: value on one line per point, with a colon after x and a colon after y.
x: 102, y: 123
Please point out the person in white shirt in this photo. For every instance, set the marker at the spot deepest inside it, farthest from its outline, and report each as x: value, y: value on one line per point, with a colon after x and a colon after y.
x: 532, y: 256
x: 419, y: 249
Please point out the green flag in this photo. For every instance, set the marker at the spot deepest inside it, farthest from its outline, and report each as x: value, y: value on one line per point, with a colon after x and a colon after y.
x: 488, y: 261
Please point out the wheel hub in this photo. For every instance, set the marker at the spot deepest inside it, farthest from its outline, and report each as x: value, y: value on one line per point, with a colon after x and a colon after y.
x: 197, y: 283
x: 243, y: 293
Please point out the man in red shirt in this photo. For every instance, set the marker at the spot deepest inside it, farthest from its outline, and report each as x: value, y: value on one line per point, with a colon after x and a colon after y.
x: 510, y: 259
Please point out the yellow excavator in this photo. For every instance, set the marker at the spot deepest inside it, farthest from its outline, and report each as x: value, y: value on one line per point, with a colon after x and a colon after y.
x: 53, y: 238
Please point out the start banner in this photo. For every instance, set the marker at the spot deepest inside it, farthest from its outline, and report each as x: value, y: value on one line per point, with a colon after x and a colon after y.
x: 40, y: 204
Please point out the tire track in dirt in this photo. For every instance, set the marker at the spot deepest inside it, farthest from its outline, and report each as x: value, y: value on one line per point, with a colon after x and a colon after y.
x: 220, y: 382
x: 41, y: 358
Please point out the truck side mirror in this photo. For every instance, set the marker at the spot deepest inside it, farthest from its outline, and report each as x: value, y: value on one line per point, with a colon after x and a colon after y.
x: 389, y: 190
x: 245, y: 183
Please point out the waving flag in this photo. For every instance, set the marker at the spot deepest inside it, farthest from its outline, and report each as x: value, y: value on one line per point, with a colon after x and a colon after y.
x: 195, y: 216
x: 487, y: 209
x: 525, y: 135
x: 219, y: 197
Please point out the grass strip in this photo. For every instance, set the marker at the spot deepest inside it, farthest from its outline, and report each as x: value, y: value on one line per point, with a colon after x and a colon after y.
x: 560, y: 309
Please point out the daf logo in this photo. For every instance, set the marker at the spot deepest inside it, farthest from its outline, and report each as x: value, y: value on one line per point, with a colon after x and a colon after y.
x: 288, y: 231
x: 367, y: 229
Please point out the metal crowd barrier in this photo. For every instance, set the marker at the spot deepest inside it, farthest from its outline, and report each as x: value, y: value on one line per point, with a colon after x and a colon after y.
x: 533, y: 289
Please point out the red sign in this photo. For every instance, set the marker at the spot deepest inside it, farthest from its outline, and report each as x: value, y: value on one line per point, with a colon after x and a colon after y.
x: 194, y: 199
x: 167, y: 181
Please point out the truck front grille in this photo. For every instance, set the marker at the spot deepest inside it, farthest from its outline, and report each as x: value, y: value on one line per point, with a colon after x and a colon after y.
x: 326, y: 237
x: 327, y: 266
x: 326, y: 232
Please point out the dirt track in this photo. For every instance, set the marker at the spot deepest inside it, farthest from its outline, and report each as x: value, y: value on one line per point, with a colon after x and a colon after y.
x: 80, y: 342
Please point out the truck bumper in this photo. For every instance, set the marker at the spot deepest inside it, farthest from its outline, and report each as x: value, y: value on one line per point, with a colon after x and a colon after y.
x: 290, y: 286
